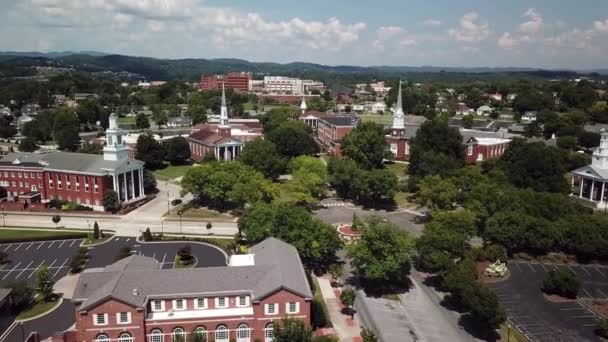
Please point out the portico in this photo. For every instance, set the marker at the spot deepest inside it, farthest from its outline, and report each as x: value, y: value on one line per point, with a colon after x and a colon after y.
x: 129, y: 185
x: 227, y: 151
x: 589, y: 182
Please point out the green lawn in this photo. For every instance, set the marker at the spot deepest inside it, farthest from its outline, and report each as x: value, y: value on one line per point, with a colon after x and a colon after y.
x: 127, y: 120
x: 203, y: 213
x: 172, y: 171
x: 397, y: 168
x: 377, y: 118
x: 402, y: 200
x: 15, y: 235
x: 37, y: 309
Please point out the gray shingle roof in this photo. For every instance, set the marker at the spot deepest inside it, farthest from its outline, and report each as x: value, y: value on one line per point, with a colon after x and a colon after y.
x: 75, y: 162
x: 136, y: 279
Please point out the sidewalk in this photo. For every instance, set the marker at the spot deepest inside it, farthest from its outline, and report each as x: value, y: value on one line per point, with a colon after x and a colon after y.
x: 347, y: 329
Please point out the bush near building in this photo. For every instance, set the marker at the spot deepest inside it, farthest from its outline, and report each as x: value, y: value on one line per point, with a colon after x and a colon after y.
x: 562, y: 282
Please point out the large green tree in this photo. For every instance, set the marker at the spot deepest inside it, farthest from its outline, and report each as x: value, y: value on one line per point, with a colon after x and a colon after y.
x: 177, y: 150
x: 150, y: 151
x: 262, y: 155
x: 382, y: 256
x: 316, y: 241
x: 65, y: 129
x: 375, y: 186
x: 436, y: 192
x: 141, y: 121
x: 227, y: 184
x: 293, y: 139
x: 365, y: 144
x: 342, y: 174
x: 44, y: 283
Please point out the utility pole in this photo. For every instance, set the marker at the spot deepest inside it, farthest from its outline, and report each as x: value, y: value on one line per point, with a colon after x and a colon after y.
x: 3, y: 218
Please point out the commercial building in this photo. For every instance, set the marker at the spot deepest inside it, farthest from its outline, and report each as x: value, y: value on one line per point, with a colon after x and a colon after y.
x: 225, y: 139
x: 289, y: 85
x: 480, y: 146
x: 239, y: 81
x: 135, y: 300
x: 332, y: 128
x: 36, y: 178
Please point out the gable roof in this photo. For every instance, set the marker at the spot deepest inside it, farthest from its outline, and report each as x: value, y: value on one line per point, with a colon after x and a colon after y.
x: 277, y: 266
x: 592, y: 171
x: 67, y: 161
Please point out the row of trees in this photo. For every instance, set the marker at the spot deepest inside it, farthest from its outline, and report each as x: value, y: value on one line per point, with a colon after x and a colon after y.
x: 175, y: 151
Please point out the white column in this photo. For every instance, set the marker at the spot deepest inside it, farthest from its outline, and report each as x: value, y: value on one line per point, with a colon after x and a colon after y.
x: 217, y: 152
x: 591, y: 192
x: 225, y: 153
x: 133, y: 183
x: 124, y: 186
x: 116, y: 185
x: 580, y: 193
x: 141, y: 182
x: 602, y: 194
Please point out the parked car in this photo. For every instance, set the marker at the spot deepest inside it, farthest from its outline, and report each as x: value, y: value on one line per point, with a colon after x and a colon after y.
x: 176, y: 201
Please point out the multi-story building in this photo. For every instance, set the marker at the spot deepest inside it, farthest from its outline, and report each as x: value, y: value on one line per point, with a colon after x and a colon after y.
x: 74, y: 177
x: 239, y: 81
x: 135, y: 300
x: 331, y: 129
x: 480, y: 146
x: 283, y: 85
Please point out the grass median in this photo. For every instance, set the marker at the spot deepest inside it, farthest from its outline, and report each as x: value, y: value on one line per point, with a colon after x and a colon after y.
x: 26, y: 235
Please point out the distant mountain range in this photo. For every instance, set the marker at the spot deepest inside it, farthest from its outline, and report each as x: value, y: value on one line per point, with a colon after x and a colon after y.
x: 191, y: 69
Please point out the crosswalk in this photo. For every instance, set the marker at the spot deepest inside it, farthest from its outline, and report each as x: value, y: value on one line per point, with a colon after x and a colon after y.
x: 329, y: 203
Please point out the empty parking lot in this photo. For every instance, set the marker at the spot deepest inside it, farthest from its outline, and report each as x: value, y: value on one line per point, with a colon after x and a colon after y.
x: 542, y: 320
x: 26, y: 258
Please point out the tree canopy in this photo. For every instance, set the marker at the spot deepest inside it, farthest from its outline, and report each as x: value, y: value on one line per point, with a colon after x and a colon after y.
x: 65, y: 129
x: 263, y: 156
x: 365, y: 144
x: 177, y: 150
x: 150, y: 151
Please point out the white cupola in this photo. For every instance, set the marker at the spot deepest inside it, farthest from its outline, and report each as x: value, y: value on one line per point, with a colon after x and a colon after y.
x: 115, y: 148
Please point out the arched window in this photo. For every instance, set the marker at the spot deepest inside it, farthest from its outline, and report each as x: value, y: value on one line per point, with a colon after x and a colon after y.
x: 178, y: 335
x: 199, y: 334
x: 156, y: 335
x: 125, y: 337
x: 243, y: 333
x: 221, y: 333
x: 269, y: 332
x: 102, y: 338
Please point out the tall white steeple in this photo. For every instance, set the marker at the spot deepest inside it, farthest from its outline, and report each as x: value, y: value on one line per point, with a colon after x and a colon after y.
x: 303, y: 106
x: 224, y: 122
x: 115, y: 148
x: 398, y: 118
x: 600, y: 155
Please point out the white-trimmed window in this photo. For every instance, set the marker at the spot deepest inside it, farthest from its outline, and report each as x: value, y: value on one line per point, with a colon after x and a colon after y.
x: 222, y: 333
x: 100, y: 319
x: 269, y: 333
x: 243, y: 333
x: 242, y: 301
x: 102, y: 338
x: 158, y: 305
x: 123, y: 317
x: 156, y: 335
x: 178, y: 335
x: 470, y: 150
x: 270, y: 309
x: 125, y: 337
x: 179, y: 304
x: 200, y: 303
x: 292, y: 307
x: 201, y: 332
x: 221, y: 302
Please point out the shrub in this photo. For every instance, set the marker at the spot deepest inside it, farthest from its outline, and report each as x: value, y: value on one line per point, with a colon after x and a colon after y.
x: 562, y: 282
x: 185, y: 255
x: 602, y: 328
x: 325, y: 339
x: 22, y: 296
x: 319, y: 317
x: 496, y: 252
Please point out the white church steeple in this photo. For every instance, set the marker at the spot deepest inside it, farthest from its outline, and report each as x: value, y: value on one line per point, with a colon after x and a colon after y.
x: 398, y: 118
x: 224, y: 121
x: 303, y: 106
x: 115, y: 148
x: 600, y: 155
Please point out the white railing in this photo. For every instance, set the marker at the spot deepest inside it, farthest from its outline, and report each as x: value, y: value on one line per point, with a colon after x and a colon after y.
x: 208, y: 335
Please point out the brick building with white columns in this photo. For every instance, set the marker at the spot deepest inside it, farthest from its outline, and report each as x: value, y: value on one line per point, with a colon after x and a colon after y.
x: 589, y: 182
x: 38, y: 177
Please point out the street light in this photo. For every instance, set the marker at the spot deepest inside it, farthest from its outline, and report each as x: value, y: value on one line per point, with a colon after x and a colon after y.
x: 180, y: 221
x: 3, y: 217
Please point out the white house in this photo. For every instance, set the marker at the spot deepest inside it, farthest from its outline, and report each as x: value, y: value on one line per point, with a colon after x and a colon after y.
x: 484, y: 110
x: 463, y: 109
x: 379, y: 107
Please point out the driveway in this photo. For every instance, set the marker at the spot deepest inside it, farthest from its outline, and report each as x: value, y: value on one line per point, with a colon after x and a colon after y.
x: 342, y: 214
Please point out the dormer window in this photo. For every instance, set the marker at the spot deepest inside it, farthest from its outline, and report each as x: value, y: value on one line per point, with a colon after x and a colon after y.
x: 158, y: 305
x: 178, y: 304
x: 221, y: 302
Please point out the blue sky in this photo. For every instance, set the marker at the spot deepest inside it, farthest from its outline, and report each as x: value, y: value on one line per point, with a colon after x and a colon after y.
x: 542, y: 33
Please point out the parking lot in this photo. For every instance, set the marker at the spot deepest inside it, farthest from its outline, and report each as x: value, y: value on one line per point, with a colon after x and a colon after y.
x: 28, y: 257
x: 542, y: 320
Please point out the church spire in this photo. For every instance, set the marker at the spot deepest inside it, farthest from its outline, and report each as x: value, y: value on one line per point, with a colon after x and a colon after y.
x: 224, y: 122
x: 303, y: 106
x: 398, y: 118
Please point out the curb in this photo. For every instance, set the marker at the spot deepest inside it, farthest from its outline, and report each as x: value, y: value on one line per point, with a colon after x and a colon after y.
x: 42, y: 314
x: 197, y: 242
x: 97, y: 244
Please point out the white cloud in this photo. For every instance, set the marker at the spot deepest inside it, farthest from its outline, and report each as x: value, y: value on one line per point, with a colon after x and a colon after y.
x: 601, y: 26
x: 472, y: 29
x: 388, y: 32
x: 432, y: 22
x: 408, y: 42
x: 529, y: 29
x: 506, y: 41
x: 156, y: 26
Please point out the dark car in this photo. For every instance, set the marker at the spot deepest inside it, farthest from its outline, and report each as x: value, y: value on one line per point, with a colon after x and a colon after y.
x: 176, y: 202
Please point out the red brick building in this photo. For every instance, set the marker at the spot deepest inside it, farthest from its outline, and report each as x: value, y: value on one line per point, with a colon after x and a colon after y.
x: 74, y: 177
x: 135, y: 300
x: 223, y: 139
x: 478, y: 149
x: 332, y: 128
x: 238, y: 81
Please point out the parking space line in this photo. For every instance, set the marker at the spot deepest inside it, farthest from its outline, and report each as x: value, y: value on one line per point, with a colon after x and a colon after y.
x: 7, y: 247
x: 518, y: 267
x: 60, y: 267
x: 544, y: 268
x: 51, y: 245
x: 28, y: 247
x: 72, y: 243
x: 164, y: 257
x: 23, y: 270
x: 42, y: 243
x: 62, y: 242
x: 9, y: 272
x: 127, y: 240
x: 584, y: 269
x: 532, y: 268
x: 21, y: 244
x: 568, y: 309
x: 588, y: 294
x: 154, y: 256
x: 602, y: 292
x: 587, y: 316
x: 35, y: 270
x: 53, y: 263
x: 598, y: 270
x: 571, y: 269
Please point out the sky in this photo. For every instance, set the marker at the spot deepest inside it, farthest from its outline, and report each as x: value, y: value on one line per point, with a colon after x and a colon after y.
x: 450, y: 33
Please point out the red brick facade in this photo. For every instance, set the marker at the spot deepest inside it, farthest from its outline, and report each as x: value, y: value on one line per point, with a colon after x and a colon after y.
x: 67, y: 186
x: 142, y: 324
x: 476, y: 153
x: 400, y: 147
x: 238, y: 81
